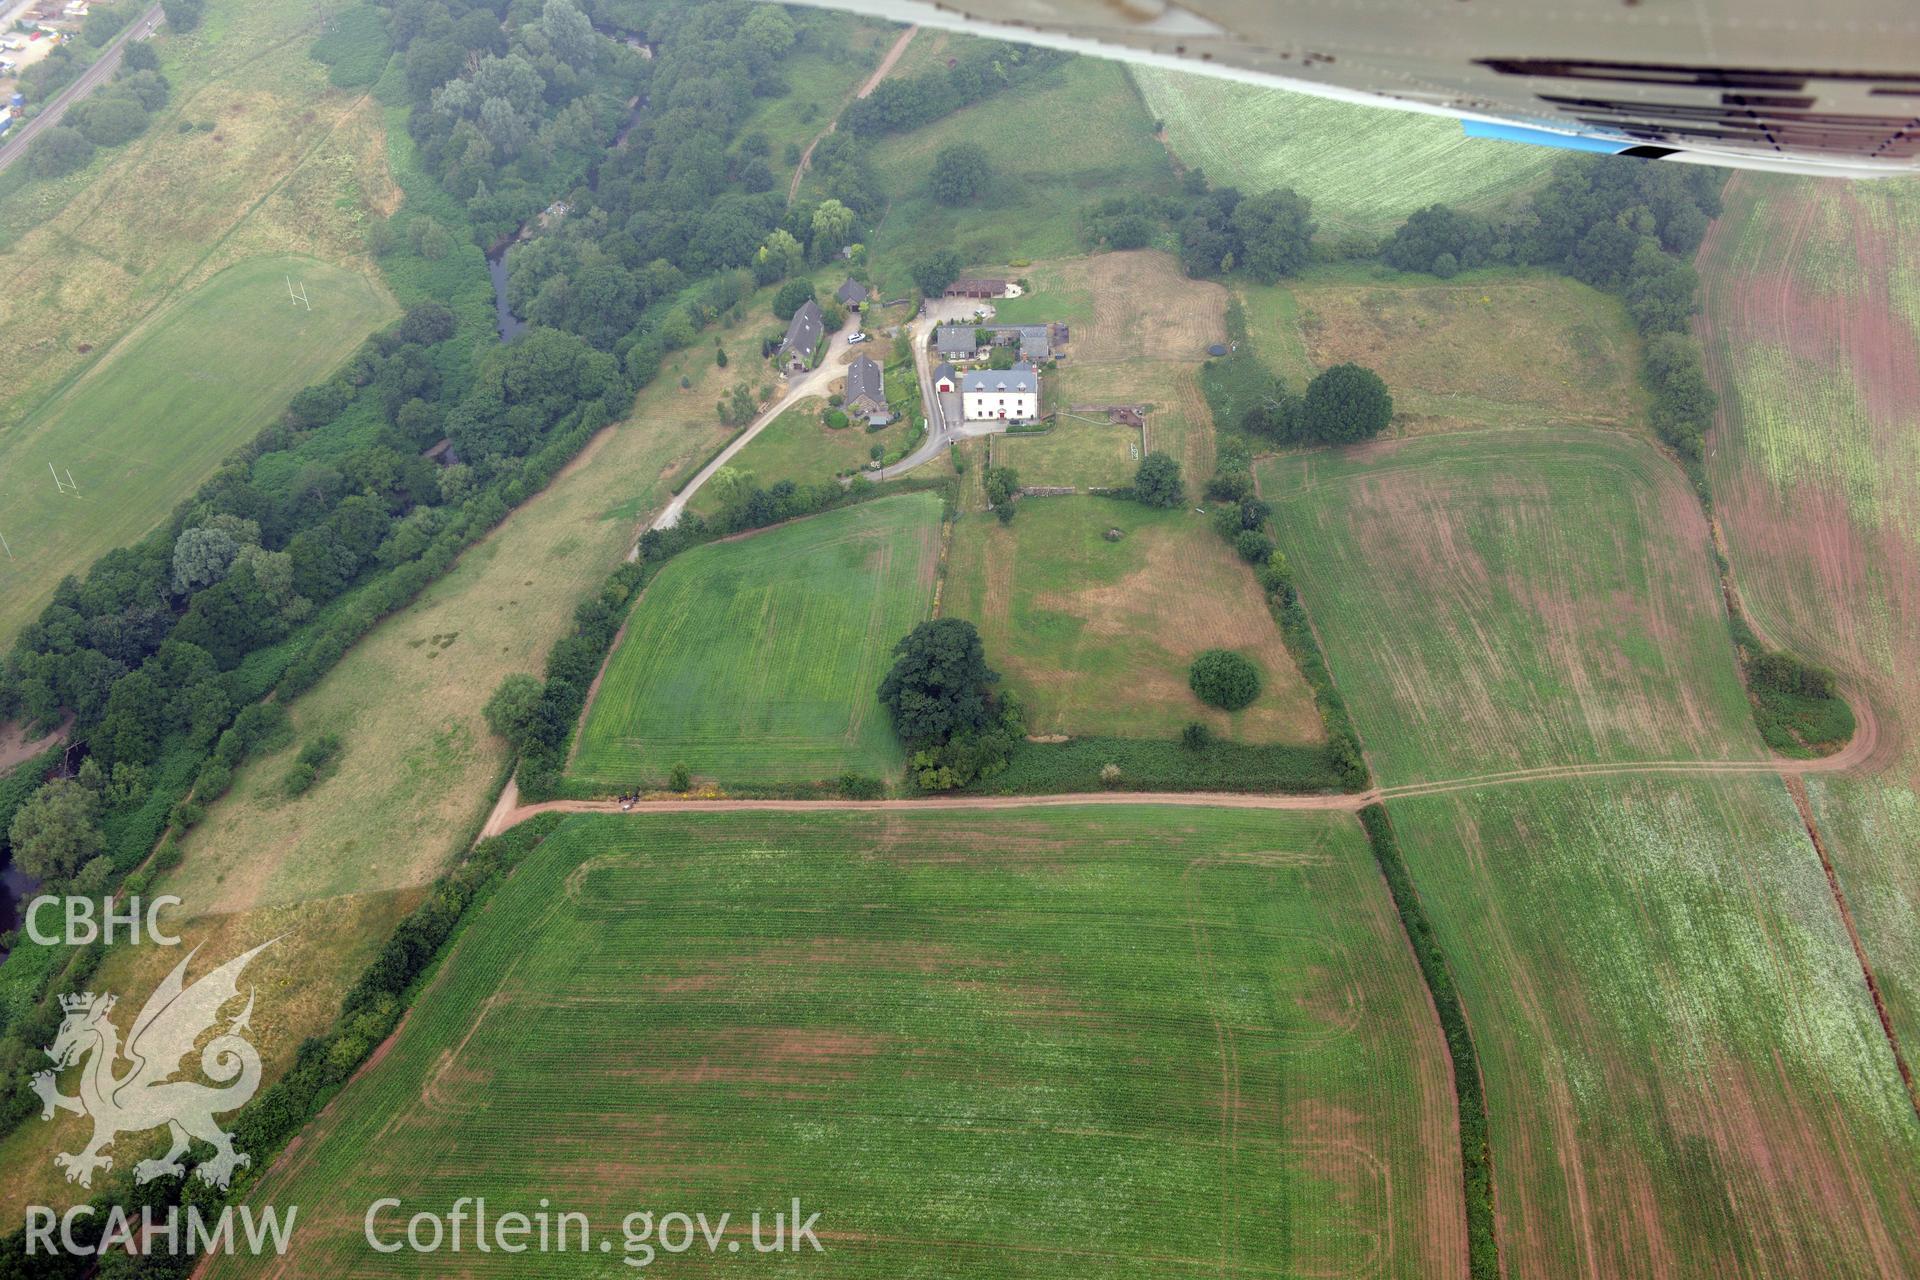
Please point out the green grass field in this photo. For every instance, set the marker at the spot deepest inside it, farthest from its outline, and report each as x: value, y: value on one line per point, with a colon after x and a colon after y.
x: 1364, y: 168
x: 1063, y: 142
x: 1077, y: 451
x: 1500, y: 601
x: 1080, y: 626
x: 1043, y: 1042
x: 758, y: 660
x: 142, y: 427
x: 798, y: 446
x: 1683, y: 1069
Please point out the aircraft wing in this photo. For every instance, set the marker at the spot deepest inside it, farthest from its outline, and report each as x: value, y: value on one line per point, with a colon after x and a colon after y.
x: 1830, y: 89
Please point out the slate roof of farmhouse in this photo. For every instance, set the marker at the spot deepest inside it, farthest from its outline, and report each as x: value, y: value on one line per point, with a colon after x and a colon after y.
x: 865, y: 379
x: 853, y: 293
x: 803, y: 334
x: 1021, y: 378
x: 954, y: 339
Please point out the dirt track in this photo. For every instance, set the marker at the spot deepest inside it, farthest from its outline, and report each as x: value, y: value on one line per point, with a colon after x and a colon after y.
x: 508, y: 812
x: 879, y: 74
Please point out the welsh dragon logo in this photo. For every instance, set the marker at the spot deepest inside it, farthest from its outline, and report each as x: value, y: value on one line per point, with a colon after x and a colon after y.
x: 144, y: 1096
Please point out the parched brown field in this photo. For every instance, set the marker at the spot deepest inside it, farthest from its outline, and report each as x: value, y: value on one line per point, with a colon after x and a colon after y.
x: 1810, y: 330
x: 291, y: 166
x: 1514, y: 351
x: 1096, y: 636
x: 322, y: 945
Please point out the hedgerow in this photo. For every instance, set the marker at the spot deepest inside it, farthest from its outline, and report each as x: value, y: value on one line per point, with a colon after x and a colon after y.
x: 1476, y: 1148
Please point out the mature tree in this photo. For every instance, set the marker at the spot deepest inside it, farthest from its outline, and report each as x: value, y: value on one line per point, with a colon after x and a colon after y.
x: 933, y: 273
x: 56, y: 830
x: 1277, y: 417
x: 779, y: 257
x: 1003, y: 488
x: 1157, y: 481
x: 832, y: 227
x: 961, y: 173
x: 201, y: 557
x: 61, y: 150
x: 1276, y: 233
x: 1224, y: 679
x: 1344, y: 404
x: 769, y: 30
x: 569, y: 33
x: 512, y: 709
x: 938, y: 685
x: 183, y: 15
x: 1660, y: 289
x: 111, y: 119
x: 1440, y: 240
x: 793, y: 295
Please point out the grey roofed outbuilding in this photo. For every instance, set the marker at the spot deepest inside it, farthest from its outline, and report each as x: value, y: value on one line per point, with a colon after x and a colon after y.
x: 803, y: 334
x: 942, y: 370
x: 954, y: 339
x: 1036, y: 340
x: 1022, y: 377
x: 853, y: 293
x: 866, y: 383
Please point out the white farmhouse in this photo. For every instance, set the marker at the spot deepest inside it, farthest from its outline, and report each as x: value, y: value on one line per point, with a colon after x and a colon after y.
x: 1001, y: 395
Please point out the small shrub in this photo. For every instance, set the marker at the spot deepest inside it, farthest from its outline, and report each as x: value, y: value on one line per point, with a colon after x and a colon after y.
x: 299, y: 780
x: 1109, y: 774
x: 1195, y: 736
x: 679, y: 779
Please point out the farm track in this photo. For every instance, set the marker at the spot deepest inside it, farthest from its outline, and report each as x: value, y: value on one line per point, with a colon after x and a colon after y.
x: 872, y: 81
x: 508, y: 812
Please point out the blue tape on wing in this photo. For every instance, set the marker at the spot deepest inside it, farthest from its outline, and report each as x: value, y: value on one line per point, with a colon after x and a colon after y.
x: 1543, y: 137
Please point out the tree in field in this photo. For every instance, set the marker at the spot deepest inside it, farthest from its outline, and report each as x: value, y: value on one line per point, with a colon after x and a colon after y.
x: 938, y: 685
x: 933, y: 273
x: 960, y: 173
x: 793, y: 295
x: 61, y: 150
x: 514, y: 707
x: 1003, y: 487
x: 56, y: 831
x: 1157, y: 482
x: 1344, y: 404
x: 1276, y: 234
x: 1224, y: 679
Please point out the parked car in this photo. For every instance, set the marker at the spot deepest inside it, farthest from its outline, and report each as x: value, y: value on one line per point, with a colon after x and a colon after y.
x: 856, y: 337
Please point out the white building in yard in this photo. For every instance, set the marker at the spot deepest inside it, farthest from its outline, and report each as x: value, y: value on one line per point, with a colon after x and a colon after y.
x: 1001, y: 395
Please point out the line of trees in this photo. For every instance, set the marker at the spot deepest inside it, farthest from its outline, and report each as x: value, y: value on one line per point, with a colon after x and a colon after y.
x: 901, y: 103
x: 113, y: 115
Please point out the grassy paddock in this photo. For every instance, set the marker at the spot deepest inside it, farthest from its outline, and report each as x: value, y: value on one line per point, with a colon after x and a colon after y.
x: 1056, y: 145
x: 1500, y: 601
x: 1503, y: 348
x: 757, y: 660
x: 1199, y: 1028
x: 1364, y: 168
x: 141, y: 428
x: 1080, y: 626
